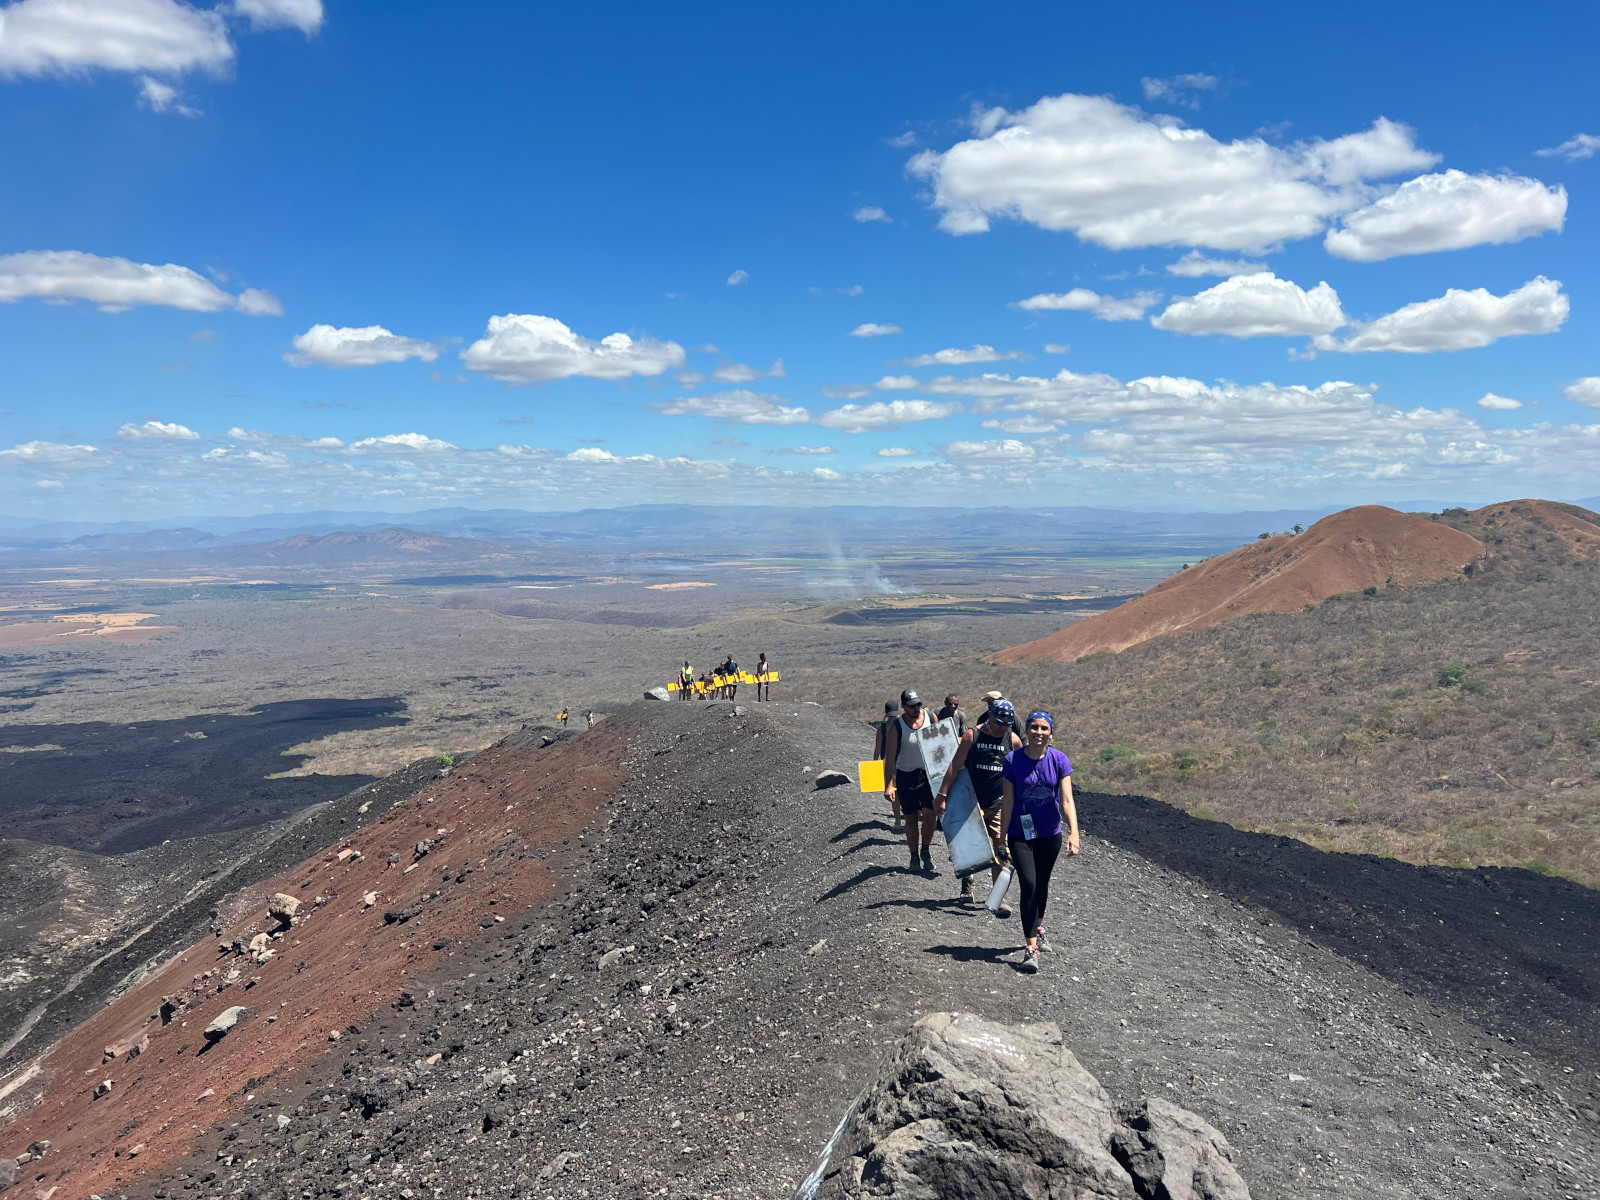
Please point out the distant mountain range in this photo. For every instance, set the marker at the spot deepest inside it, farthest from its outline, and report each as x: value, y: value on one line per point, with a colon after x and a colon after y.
x: 463, y: 533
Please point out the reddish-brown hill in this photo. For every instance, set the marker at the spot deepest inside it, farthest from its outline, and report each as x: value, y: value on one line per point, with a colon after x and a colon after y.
x: 486, y: 842
x: 1358, y: 548
x: 1521, y: 537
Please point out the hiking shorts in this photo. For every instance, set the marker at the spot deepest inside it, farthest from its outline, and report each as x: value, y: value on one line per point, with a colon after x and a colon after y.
x: 913, y: 792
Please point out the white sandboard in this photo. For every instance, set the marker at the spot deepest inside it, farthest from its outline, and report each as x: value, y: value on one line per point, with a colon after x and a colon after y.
x: 937, y: 742
x: 964, y: 831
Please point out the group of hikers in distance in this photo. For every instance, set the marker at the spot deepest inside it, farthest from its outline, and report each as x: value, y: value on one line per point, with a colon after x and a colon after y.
x: 722, y: 681
x: 1023, y: 786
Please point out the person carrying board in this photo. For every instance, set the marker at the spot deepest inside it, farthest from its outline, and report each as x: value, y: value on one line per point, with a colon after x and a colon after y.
x: 908, y: 786
x: 982, y: 754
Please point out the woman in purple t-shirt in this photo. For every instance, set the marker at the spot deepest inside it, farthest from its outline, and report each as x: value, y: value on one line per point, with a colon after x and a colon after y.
x: 1037, y: 786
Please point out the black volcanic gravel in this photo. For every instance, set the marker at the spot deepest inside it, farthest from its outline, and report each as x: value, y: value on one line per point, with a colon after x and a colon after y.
x: 778, y: 949
x: 113, y: 788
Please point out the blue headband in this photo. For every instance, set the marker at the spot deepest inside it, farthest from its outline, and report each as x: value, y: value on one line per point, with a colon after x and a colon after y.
x: 1042, y: 715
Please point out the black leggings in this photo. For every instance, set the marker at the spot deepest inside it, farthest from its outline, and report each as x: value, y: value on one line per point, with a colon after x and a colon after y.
x: 1033, y: 862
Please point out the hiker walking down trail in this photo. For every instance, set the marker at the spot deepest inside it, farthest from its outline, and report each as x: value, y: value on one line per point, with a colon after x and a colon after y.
x: 878, y: 745
x: 909, y: 783
x: 952, y: 711
x: 730, y: 673
x: 1038, y: 801
x: 982, y: 754
x: 763, y: 677
x: 686, y: 681
x: 989, y: 699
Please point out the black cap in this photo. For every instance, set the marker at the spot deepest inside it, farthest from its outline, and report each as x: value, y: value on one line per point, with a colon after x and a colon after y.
x: 908, y: 698
x: 888, y: 707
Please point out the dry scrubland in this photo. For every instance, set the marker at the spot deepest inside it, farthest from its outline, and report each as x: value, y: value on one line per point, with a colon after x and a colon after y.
x: 1457, y: 723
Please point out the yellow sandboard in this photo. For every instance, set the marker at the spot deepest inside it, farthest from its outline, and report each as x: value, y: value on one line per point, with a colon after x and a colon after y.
x: 871, y: 775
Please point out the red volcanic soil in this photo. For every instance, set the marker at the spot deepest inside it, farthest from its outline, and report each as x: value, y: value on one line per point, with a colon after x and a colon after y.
x: 491, y: 823
x: 1358, y: 548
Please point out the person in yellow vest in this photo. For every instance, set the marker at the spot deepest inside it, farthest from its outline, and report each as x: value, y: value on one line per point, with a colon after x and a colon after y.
x: 685, y: 681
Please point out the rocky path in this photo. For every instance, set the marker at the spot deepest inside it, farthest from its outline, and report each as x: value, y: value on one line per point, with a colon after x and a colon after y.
x: 737, y: 950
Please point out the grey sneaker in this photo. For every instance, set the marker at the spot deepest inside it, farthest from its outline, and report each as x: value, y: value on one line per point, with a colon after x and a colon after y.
x: 1004, y: 911
x: 1044, y: 942
x: 1030, y: 961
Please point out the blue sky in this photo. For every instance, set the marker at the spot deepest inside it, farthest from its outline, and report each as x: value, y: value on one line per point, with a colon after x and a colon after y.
x: 305, y: 219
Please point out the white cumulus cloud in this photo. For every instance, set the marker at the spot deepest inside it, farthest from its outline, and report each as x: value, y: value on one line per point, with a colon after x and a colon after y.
x: 886, y: 414
x: 955, y: 357
x: 1104, y: 308
x: 365, y: 346
x: 254, y: 302
x: 68, y: 37
x: 873, y: 329
x: 896, y: 383
x: 49, y: 454
x: 162, y: 430
x: 1575, y: 149
x: 741, y: 405
x: 898, y: 452
x: 738, y: 277
x: 1194, y: 265
x: 1028, y: 424
x: 1585, y: 391
x: 1459, y: 320
x: 995, y: 450
x: 116, y: 284
x: 524, y: 348
x: 1122, y: 178
x: 870, y: 212
x: 1498, y: 403
x: 1258, y: 305
x: 304, y: 15
x: 1449, y: 211
x: 402, y: 441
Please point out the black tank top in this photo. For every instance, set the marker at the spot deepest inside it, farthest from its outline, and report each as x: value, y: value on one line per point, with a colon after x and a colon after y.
x: 985, y: 760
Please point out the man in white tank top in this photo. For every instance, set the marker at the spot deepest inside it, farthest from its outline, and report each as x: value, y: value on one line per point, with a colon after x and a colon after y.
x: 908, y: 784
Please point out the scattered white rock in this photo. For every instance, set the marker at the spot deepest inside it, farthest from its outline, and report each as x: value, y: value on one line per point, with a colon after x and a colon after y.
x: 223, y: 1025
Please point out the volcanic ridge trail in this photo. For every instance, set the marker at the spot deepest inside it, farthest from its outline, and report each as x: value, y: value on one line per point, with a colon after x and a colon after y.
x: 656, y: 960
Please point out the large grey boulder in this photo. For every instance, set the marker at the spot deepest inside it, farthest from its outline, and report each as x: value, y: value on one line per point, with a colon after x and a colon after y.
x: 283, y: 907
x: 971, y: 1107
x: 1170, y: 1152
x: 832, y: 779
x: 223, y: 1025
